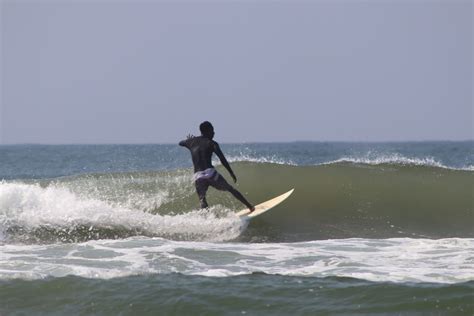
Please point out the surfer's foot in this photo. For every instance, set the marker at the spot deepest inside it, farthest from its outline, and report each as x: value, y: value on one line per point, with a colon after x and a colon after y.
x: 252, y: 208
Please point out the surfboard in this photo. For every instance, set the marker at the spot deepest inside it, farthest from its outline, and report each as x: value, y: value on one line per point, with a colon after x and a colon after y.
x: 265, y: 206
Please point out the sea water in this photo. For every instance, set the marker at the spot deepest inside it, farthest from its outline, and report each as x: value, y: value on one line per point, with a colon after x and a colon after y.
x: 383, y: 228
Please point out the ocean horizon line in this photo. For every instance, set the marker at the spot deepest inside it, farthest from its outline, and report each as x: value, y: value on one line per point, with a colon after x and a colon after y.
x: 243, y: 142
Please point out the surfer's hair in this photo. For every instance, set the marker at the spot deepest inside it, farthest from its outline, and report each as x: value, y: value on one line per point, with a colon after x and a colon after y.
x: 206, y: 128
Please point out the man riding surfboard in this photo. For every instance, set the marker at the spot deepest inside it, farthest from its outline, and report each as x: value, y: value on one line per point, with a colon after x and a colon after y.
x: 205, y: 175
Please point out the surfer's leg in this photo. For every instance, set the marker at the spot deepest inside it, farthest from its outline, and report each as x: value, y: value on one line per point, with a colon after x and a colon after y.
x: 201, y: 188
x: 221, y: 184
x: 241, y: 198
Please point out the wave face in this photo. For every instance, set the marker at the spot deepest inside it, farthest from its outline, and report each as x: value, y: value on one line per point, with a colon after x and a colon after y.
x: 336, y: 200
x: 343, y: 200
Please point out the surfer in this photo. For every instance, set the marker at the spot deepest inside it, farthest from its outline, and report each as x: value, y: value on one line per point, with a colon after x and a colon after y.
x: 202, y: 147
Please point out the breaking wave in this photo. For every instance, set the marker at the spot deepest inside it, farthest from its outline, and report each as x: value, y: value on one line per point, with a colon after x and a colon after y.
x: 339, y: 200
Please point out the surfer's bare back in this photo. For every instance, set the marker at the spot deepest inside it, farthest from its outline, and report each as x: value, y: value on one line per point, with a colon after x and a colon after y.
x: 202, y: 147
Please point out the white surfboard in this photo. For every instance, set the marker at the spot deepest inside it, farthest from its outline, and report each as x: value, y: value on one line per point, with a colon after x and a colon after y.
x: 265, y: 206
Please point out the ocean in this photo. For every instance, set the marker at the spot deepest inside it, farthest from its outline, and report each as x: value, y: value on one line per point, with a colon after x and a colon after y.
x: 371, y: 229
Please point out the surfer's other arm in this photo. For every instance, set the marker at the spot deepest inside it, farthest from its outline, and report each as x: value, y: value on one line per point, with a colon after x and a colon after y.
x: 224, y: 162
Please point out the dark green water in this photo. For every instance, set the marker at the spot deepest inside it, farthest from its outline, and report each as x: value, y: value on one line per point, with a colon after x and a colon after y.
x: 256, y: 294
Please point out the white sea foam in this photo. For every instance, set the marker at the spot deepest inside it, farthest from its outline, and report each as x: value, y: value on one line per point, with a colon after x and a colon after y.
x: 31, y: 207
x: 368, y: 159
x: 137, y: 191
x: 381, y: 260
x: 396, y: 159
x: 259, y: 159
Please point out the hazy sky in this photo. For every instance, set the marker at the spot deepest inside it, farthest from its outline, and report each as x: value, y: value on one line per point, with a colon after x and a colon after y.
x: 150, y: 71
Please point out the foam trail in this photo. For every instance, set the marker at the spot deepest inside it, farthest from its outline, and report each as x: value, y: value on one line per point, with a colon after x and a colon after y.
x: 30, y: 208
x: 381, y: 260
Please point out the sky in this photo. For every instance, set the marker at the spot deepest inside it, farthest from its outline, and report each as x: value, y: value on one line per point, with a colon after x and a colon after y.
x: 108, y: 71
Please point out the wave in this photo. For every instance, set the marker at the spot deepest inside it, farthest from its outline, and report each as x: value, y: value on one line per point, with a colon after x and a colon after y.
x: 338, y: 200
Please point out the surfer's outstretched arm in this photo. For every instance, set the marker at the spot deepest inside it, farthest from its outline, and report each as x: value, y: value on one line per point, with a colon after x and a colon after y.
x: 224, y: 162
x: 185, y: 142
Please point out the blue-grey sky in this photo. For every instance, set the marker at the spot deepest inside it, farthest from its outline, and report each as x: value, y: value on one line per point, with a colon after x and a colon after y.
x: 150, y: 71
